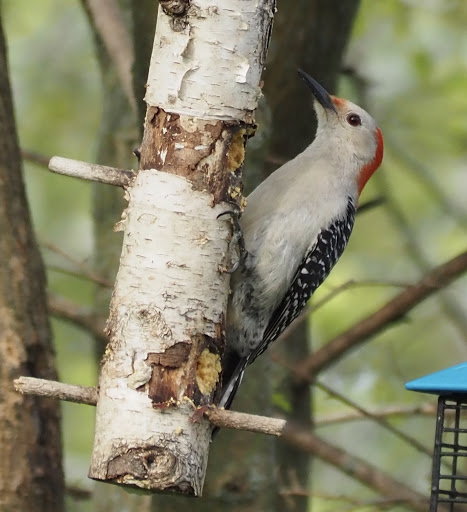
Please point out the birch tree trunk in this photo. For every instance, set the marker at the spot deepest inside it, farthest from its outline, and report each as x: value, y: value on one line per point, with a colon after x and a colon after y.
x: 31, y: 476
x: 167, y: 312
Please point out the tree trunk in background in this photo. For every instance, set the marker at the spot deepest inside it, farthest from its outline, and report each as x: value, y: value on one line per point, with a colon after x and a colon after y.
x: 31, y: 476
x: 312, y: 35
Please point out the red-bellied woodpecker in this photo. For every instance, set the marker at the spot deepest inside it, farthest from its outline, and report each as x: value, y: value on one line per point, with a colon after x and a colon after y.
x: 295, y: 227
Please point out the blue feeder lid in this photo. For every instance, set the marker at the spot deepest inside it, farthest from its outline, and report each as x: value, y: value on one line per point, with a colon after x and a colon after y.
x: 445, y: 382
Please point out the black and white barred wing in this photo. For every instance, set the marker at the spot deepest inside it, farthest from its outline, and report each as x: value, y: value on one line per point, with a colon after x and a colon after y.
x: 311, y: 272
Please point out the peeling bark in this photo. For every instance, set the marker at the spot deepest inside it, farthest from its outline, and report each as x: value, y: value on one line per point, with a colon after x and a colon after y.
x: 199, y: 150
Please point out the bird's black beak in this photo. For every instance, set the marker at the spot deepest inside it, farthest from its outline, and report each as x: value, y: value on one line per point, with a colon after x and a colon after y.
x: 319, y: 92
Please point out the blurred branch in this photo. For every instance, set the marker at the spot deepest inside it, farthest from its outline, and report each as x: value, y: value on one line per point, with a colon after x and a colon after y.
x: 107, y: 21
x: 451, y: 307
x: 370, y: 204
x: 425, y: 178
x: 81, y: 317
x: 375, y: 323
x: 72, y: 273
x: 78, y: 493
x: 35, y: 158
x: 354, y: 467
x: 314, y: 306
x: 425, y: 409
x: 85, y: 271
x: 380, y: 504
x: 381, y: 421
x: 352, y: 283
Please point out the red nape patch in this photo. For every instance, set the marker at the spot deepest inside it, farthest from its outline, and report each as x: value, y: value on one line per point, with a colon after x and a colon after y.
x: 338, y: 102
x: 367, y: 172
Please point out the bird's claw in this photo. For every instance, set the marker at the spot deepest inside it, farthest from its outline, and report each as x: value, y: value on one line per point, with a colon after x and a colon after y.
x: 233, y: 269
x: 237, y: 241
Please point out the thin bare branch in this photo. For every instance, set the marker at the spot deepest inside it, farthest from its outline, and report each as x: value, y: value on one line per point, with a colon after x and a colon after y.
x: 85, y: 270
x: 370, y: 204
x: 352, y: 283
x: 108, y: 22
x: 73, y: 273
x: 91, y: 172
x: 81, y: 317
x: 314, y: 306
x: 248, y: 422
x: 57, y: 390
x: 425, y: 409
x: 89, y: 396
x: 78, y: 493
x: 35, y: 158
x: 392, y: 311
x: 382, y: 422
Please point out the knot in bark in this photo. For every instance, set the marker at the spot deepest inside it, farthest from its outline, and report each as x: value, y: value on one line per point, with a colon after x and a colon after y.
x: 175, y: 7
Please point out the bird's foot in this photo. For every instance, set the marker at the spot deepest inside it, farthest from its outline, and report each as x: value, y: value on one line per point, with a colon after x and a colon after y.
x: 237, y: 243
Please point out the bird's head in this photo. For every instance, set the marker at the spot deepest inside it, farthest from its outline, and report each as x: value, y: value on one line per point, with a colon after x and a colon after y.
x: 350, y: 129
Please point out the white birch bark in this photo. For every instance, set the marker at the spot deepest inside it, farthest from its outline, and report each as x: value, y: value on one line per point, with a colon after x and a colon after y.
x: 170, y: 296
x: 153, y: 309
x: 212, y: 66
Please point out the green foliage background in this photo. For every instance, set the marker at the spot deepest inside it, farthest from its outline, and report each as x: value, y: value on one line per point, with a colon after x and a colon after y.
x: 407, y: 62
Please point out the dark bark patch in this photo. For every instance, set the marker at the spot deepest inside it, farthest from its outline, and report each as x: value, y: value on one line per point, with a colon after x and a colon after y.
x: 153, y: 324
x: 165, y: 382
x: 174, y: 357
x: 164, y: 385
x: 209, y: 154
x: 141, y: 464
x: 175, y: 7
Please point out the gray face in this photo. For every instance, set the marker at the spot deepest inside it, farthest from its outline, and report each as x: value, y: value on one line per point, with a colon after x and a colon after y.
x: 351, y: 128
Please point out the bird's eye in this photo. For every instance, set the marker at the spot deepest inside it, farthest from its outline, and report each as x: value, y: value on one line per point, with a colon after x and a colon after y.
x: 354, y: 120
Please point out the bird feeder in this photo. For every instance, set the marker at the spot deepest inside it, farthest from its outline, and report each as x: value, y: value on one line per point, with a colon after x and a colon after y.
x: 449, y: 476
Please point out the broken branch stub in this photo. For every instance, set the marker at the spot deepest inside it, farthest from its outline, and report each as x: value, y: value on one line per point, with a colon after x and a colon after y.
x: 166, y: 322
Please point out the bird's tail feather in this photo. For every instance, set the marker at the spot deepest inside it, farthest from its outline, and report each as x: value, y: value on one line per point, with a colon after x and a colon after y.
x: 232, y: 384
